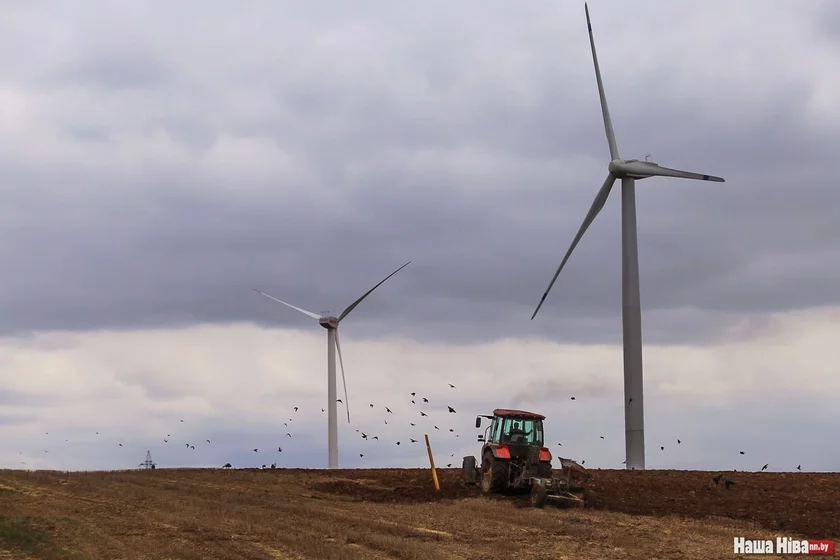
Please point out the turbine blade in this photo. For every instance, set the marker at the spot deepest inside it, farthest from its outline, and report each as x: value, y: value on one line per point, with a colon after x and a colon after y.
x: 353, y: 305
x: 597, y: 205
x: 341, y: 362
x: 649, y: 169
x: 608, y: 127
x: 304, y: 311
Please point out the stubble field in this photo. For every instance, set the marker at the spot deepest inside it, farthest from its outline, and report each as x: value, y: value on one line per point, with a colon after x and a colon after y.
x: 396, y: 513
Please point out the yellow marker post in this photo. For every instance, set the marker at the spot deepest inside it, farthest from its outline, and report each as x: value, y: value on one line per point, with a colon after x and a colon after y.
x: 432, y: 463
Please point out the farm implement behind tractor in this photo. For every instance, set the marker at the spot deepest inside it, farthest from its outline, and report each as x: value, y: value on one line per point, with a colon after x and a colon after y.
x: 514, y: 459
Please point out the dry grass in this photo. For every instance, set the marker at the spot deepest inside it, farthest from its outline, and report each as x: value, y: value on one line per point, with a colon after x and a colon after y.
x: 215, y: 514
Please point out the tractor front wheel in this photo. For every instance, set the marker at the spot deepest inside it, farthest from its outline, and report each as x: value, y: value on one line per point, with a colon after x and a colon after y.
x: 495, y: 474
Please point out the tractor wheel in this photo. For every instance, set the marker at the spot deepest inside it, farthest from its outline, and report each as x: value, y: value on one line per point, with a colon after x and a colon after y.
x: 470, y: 470
x: 539, y: 495
x: 495, y: 474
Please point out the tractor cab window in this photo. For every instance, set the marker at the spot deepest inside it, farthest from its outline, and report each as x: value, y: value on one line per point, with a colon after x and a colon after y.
x: 522, y: 430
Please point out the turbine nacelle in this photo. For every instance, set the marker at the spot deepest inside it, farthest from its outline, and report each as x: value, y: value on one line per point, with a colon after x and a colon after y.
x: 328, y: 322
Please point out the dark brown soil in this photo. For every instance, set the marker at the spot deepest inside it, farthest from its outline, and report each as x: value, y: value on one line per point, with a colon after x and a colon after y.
x: 807, y: 504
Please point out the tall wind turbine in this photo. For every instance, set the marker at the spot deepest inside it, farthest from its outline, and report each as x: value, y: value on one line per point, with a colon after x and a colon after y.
x: 628, y: 170
x: 331, y: 324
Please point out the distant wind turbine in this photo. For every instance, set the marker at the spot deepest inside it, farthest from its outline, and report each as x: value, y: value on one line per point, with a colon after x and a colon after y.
x: 628, y: 170
x: 333, y: 343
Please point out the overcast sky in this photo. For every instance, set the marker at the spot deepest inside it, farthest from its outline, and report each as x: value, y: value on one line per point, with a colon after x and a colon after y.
x: 159, y: 159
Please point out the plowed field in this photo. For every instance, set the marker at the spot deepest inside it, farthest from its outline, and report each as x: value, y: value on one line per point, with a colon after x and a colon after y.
x: 396, y: 513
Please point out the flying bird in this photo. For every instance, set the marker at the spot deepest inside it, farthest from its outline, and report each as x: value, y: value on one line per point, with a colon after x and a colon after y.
x: 207, y: 440
x: 742, y: 452
x: 451, y: 410
x: 296, y: 408
x: 336, y: 400
x: 662, y: 448
x: 799, y: 467
x: 602, y: 437
x: 413, y: 440
x: 678, y: 441
x: 451, y: 385
x: 371, y: 405
x: 388, y: 410
x: 376, y: 438
x: 279, y: 450
x: 573, y: 398
x: 361, y: 454
x: 412, y: 423
x: 413, y: 394
x: 425, y: 399
x: 192, y: 447
x: 423, y: 413
x: 764, y: 468
x: 288, y: 434
x: 181, y: 420
x: 255, y: 450
x: 412, y: 402
x: 364, y: 435
x: 398, y: 443
x: 436, y: 428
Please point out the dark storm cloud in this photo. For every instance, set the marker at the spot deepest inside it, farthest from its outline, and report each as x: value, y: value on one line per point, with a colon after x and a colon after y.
x: 473, y: 148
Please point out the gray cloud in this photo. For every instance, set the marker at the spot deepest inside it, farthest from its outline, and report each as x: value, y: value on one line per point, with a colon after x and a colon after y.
x: 471, y: 148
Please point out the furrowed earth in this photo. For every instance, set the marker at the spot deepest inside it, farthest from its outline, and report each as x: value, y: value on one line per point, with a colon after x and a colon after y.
x: 396, y: 513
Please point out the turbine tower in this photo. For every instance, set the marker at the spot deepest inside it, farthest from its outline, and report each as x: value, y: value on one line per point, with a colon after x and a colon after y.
x: 333, y: 343
x: 628, y: 170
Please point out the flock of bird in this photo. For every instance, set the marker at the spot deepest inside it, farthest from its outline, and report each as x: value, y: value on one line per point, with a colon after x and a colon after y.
x: 418, y: 420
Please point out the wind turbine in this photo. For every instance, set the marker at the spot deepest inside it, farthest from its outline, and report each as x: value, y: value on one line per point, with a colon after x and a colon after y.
x: 628, y: 170
x: 331, y: 324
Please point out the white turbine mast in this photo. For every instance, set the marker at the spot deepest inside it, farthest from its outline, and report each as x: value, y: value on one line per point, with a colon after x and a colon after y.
x: 628, y: 170
x: 333, y: 343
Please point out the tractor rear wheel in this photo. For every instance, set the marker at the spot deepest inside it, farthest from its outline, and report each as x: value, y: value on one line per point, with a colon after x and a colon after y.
x: 495, y: 474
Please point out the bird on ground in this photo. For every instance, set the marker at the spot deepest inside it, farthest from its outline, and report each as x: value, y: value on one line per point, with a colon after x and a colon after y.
x: 717, y: 478
x: 451, y: 430
x: 728, y: 483
x: 451, y: 410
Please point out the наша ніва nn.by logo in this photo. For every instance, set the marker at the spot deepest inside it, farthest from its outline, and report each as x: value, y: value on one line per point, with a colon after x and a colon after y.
x: 782, y: 545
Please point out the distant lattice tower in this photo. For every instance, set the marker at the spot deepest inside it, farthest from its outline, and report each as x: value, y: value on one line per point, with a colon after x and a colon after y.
x: 148, y: 463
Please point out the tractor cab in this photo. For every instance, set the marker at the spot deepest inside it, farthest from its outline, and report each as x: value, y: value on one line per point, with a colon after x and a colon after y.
x: 512, y: 427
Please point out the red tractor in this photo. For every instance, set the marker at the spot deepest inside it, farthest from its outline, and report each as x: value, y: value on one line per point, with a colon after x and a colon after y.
x: 514, y: 457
